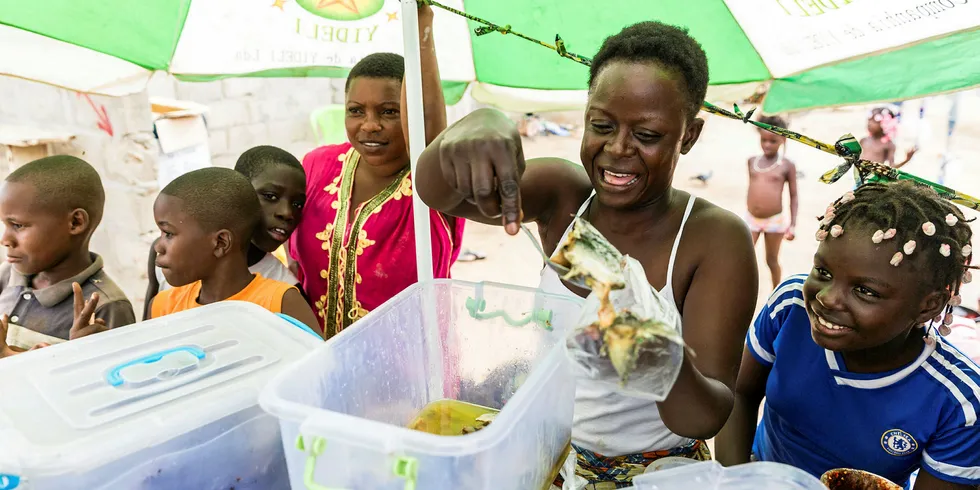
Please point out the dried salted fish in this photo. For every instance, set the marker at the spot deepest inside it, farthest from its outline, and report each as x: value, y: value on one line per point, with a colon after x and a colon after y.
x: 622, y: 336
x: 625, y: 339
x: 591, y: 258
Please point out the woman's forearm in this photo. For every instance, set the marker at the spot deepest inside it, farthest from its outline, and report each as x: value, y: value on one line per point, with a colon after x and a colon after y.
x: 734, y: 443
x: 697, y: 406
x: 433, y: 100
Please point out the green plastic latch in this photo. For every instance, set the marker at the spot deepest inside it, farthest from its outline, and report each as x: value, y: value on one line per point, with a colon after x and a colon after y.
x: 407, y: 468
x: 476, y: 309
x: 318, y: 444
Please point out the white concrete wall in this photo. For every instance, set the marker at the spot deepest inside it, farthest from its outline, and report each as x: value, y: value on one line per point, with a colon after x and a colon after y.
x: 247, y: 112
x: 126, y: 162
x: 242, y: 113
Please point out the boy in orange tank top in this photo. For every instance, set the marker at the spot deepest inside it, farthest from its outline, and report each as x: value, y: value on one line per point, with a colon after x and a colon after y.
x: 206, y: 219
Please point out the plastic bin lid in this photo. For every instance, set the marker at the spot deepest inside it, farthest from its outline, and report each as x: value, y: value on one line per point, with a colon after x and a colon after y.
x: 78, y: 405
x: 712, y: 475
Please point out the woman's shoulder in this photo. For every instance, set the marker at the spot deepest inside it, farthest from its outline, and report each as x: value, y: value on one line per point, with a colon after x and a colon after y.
x: 708, y: 217
x: 718, y: 238
x: 328, y: 150
x: 324, y: 157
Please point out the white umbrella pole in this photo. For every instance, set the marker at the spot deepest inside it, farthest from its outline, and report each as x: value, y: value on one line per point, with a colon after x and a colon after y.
x: 416, y: 133
x: 416, y: 140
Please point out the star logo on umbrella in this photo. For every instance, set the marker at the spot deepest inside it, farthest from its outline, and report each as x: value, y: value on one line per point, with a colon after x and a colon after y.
x: 280, y: 4
x: 347, y: 4
x: 342, y: 10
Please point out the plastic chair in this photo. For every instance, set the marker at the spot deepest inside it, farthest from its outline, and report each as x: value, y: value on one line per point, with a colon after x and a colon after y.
x: 328, y: 125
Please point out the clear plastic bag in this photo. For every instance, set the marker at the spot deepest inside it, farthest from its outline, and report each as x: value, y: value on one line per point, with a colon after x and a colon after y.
x: 633, y: 343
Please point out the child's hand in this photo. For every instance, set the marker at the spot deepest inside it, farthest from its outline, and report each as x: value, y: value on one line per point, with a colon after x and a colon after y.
x: 5, y: 350
x: 83, y: 324
x: 910, y: 153
x: 790, y: 233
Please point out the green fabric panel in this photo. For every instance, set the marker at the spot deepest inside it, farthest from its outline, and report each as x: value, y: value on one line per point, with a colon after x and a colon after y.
x: 943, y: 65
x: 453, y: 91
x: 510, y: 61
x: 143, y: 32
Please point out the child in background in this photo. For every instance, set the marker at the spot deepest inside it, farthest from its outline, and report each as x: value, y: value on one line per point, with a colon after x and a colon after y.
x: 49, y: 208
x: 879, y: 145
x: 769, y: 173
x: 847, y: 358
x: 280, y: 183
x: 207, y: 219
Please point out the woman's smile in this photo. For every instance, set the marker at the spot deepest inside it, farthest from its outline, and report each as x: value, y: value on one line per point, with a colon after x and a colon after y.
x: 618, y: 180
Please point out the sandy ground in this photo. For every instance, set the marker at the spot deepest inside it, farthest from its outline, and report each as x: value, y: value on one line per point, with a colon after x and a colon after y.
x: 723, y: 149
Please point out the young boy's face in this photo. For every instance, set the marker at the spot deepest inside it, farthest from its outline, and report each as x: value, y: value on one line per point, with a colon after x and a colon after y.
x: 770, y: 143
x: 37, y: 237
x: 184, y: 250
x: 282, y: 194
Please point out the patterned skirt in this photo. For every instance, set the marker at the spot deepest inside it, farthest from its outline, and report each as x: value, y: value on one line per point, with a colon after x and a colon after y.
x: 609, y: 473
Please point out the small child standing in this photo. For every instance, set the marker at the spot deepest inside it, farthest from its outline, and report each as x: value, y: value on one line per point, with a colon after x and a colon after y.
x: 879, y: 144
x: 207, y: 219
x: 280, y: 183
x: 847, y: 359
x: 769, y: 173
x: 49, y: 208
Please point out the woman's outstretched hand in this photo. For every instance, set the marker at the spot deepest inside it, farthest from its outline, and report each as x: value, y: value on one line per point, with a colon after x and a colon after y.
x: 482, y: 160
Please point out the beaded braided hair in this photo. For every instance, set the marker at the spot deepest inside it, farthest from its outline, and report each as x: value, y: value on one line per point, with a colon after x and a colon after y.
x: 917, y: 220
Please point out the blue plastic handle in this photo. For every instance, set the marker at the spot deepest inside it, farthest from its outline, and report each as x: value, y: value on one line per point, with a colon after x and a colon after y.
x: 9, y: 482
x: 114, y: 376
x: 299, y: 324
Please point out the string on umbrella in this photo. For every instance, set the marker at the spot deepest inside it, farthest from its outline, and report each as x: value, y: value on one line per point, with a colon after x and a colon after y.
x: 846, y: 147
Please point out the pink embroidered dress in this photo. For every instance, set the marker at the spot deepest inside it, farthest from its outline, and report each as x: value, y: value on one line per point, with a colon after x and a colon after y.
x: 353, y: 260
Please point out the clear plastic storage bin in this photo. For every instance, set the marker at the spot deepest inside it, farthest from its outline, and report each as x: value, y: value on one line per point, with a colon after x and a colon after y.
x: 710, y: 475
x: 165, y: 404
x: 345, y: 407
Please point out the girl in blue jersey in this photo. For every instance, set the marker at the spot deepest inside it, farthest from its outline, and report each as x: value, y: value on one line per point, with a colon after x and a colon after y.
x: 848, y: 358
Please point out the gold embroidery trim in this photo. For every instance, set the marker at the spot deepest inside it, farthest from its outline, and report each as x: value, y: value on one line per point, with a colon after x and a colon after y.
x: 343, y: 255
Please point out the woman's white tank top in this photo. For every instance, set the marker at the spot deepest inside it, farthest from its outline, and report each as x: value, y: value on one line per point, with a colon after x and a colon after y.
x: 608, y: 422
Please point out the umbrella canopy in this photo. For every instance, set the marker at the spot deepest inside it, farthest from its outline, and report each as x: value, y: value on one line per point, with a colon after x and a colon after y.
x: 815, y: 53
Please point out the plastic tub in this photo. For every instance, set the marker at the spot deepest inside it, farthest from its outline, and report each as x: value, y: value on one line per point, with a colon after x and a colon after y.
x: 163, y: 404
x: 708, y: 475
x: 344, y: 407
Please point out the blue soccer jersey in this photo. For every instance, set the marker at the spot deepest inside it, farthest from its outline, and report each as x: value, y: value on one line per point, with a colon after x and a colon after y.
x: 818, y: 416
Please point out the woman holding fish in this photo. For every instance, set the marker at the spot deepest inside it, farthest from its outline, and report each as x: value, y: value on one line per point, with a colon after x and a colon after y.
x: 646, y: 86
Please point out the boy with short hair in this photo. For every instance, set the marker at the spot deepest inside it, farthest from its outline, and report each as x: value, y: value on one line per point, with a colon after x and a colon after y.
x: 769, y: 173
x: 280, y: 183
x: 49, y: 208
x: 207, y: 219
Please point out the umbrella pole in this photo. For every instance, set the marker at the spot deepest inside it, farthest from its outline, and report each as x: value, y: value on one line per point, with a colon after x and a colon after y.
x: 423, y: 244
x: 416, y: 133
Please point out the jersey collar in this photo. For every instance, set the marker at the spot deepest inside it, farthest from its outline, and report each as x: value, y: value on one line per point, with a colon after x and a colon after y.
x: 874, y: 380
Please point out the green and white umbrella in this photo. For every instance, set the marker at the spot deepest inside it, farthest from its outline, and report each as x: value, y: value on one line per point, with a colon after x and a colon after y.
x: 816, y: 52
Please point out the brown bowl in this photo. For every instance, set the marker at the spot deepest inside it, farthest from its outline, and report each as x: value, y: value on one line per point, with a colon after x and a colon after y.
x: 848, y: 479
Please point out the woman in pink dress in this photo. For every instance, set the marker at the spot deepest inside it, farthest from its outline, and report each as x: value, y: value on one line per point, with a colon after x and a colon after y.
x: 355, y: 247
